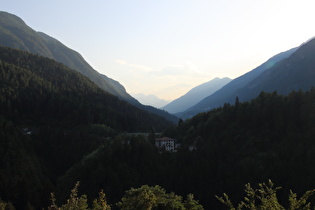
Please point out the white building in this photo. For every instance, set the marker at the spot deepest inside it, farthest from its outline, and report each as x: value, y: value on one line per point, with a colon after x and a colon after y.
x: 166, y: 143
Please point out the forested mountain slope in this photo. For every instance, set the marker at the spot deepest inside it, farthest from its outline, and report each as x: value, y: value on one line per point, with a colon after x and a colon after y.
x: 16, y: 34
x: 270, y: 137
x: 41, y: 90
x: 50, y: 117
x: 228, y: 93
x: 297, y: 72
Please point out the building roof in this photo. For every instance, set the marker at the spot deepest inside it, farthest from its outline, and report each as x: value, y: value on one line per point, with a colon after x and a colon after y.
x: 165, y: 139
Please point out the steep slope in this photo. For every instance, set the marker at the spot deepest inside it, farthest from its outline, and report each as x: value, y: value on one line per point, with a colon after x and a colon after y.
x: 50, y: 117
x: 292, y: 74
x: 40, y: 90
x: 151, y: 100
x: 16, y: 34
x: 228, y: 93
x: 195, y: 95
x: 75, y: 61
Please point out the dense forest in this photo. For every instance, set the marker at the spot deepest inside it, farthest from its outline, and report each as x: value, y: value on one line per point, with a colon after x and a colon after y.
x: 49, y: 118
x: 41, y: 91
x: 270, y: 137
x: 288, y: 71
x: 58, y: 128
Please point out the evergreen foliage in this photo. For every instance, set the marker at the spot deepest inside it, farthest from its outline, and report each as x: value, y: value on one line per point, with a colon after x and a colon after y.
x: 147, y: 198
x: 143, y: 198
x: 155, y: 197
x: 76, y: 202
x: 38, y: 89
x: 50, y: 117
x: 6, y: 206
x: 22, y: 178
x: 265, y: 197
x: 270, y: 137
x: 100, y: 203
x: 57, y: 127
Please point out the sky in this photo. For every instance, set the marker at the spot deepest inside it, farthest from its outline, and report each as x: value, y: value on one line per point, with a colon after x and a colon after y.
x: 167, y: 47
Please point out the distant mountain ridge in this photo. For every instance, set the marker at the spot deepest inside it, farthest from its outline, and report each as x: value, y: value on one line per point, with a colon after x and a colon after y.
x: 195, y: 95
x: 16, y: 34
x: 295, y: 73
x: 229, y: 92
x: 150, y: 100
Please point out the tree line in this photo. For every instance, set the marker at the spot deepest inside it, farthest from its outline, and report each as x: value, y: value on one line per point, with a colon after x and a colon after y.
x: 79, y: 132
x: 38, y: 90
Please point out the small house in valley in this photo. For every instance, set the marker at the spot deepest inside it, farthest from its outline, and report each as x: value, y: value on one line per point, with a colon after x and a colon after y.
x: 166, y: 143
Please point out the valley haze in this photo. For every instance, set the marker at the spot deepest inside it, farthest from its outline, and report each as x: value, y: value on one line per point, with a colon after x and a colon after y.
x: 67, y: 127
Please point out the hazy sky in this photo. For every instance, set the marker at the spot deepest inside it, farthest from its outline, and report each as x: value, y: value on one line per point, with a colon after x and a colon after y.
x: 166, y: 47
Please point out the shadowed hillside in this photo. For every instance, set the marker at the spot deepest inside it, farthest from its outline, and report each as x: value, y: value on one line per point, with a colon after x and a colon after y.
x: 228, y: 93
x: 16, y: 34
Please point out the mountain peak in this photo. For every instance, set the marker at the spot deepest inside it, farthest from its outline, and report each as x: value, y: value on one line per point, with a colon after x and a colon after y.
x: 10, y: 19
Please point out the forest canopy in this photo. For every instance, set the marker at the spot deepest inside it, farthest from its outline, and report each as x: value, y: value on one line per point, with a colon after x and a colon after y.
x: 57, y: 127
